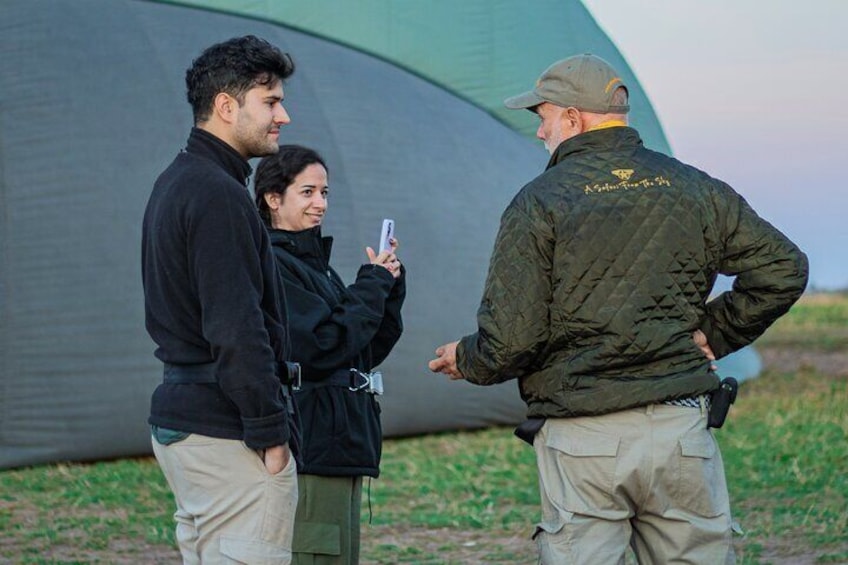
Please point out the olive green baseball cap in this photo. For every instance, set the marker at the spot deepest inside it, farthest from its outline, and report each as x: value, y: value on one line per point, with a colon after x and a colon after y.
x: 585, y: 82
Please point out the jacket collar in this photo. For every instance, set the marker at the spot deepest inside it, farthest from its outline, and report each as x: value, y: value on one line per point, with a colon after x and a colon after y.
x: 202, y: 143
x: 304, y: 243
x: 596, y: 140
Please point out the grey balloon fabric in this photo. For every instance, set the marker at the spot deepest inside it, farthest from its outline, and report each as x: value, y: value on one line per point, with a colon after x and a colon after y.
x: 92, y: 108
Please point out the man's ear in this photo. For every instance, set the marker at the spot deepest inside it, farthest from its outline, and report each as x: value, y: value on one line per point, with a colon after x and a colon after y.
x: 225, y: 107
x: 573, y: 119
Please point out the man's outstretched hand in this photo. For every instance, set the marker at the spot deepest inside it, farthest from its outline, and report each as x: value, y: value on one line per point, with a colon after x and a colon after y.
x: 445, y: 361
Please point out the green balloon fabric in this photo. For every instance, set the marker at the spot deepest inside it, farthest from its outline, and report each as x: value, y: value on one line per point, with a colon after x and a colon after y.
x: 481, y: 50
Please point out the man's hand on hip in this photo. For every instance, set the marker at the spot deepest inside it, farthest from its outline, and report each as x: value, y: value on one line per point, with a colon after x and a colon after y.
x: 700, y: 340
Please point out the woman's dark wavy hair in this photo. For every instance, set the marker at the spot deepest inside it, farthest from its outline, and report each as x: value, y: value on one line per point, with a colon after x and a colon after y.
x: 233, y: 66
x: 276, y: 172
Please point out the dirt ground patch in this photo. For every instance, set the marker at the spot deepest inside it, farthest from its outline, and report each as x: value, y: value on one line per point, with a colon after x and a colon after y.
x: 471, y: 547
x: 791, y: 359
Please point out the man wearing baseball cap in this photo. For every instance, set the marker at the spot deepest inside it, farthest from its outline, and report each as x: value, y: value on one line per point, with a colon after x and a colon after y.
x: 597, y: 302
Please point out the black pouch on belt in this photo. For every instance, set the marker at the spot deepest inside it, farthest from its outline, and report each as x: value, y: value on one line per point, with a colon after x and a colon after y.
x: 720, y: 401
x: 527, y: 430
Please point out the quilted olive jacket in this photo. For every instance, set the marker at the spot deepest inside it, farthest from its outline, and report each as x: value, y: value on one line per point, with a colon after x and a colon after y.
x: 602, y: 269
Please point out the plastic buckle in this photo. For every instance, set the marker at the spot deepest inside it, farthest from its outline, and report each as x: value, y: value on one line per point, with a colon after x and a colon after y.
x: 354, y: 387
x: 372, y: 382
x: 293, y: 373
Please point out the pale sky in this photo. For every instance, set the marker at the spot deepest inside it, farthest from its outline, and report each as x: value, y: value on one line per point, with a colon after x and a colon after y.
x: 756, y: 94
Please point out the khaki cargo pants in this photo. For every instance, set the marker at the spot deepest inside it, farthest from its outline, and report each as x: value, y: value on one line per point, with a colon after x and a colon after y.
x: 651, y: 478
x: 229, y: 508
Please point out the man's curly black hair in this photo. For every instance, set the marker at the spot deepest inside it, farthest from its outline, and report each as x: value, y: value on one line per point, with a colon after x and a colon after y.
x: 233, y: 66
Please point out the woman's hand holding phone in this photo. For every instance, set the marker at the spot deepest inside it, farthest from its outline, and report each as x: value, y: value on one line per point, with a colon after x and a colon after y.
x: 387, y: 258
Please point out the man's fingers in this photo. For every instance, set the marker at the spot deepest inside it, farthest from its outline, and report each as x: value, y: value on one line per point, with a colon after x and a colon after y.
x: 440, y: 365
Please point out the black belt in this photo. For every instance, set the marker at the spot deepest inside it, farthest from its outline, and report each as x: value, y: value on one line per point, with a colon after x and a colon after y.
x: 189, y: 374
x: 205, y: 374
x: 336, y: 379
x: 351, y: 379
x: 289, y: 373
x: 689, y: 401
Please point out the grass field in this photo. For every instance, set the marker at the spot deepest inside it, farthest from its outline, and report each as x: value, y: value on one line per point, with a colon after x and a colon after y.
x: 471, y: 497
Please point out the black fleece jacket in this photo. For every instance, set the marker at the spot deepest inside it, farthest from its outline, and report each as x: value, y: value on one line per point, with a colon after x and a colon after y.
x: 211, y: 297
x: 335, y: 328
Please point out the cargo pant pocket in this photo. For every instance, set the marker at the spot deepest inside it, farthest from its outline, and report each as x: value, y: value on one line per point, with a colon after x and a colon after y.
x: 699, y: 485
x: 280, y: 501
x: 252, y: 552
x: 315, y: 538
x: 549, y: 527
x: 581, y: 474
x: 553, y: 544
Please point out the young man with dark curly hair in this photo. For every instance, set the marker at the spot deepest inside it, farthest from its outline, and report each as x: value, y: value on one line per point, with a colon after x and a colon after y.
x: 222, y: 419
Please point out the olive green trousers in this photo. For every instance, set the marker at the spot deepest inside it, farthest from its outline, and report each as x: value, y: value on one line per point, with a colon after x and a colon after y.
x: 326, y: 525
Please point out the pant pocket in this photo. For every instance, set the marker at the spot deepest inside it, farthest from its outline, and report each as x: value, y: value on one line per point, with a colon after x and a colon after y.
x: 553, y: 545
x: 585, y: 468
x: 316, y: 538
x: 699, y: 484
x: 281, y: 493
x: 549, y: 527
x: 252, y: 552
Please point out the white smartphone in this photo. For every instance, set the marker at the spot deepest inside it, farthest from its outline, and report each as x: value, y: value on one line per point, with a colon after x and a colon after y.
x: 386, y: 234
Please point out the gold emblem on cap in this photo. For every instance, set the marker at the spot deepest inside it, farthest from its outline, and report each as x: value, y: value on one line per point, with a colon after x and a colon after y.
x: 623, y: 174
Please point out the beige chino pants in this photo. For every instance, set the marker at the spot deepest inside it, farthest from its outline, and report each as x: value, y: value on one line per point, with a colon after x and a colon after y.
x: 229, y: 508
x: 651, y: 478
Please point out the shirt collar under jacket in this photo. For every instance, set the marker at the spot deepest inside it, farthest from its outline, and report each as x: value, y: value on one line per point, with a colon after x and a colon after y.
x: 605, y: 139
x: 202, y: 143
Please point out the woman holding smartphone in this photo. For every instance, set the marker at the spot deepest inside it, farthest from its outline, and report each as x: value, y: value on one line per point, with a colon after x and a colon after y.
x: 339, y: 335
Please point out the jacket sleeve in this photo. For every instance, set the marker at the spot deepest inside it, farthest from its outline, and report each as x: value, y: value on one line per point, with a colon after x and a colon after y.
x: 391, y: 327
x: 514, y: 315
x: 327, y: 337
x: 771, y: 274
x: 224, y: 235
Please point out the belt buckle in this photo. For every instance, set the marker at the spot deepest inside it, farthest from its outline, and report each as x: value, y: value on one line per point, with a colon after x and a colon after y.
x: 293, y: 373
x: 372, y: 382
x: 354, y: 387
x: 376, y: 381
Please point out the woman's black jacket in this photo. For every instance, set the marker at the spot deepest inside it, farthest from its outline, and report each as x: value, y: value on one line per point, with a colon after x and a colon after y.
x: 333, y: 329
